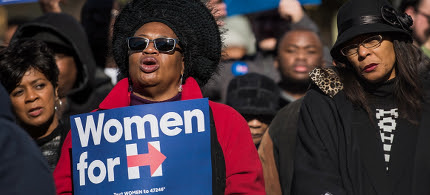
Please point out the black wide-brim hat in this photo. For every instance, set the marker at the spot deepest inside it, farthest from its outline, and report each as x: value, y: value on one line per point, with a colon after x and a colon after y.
x: 358, y: 17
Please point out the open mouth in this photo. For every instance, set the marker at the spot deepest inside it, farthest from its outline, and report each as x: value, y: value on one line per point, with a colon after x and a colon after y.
x: 149, y: 64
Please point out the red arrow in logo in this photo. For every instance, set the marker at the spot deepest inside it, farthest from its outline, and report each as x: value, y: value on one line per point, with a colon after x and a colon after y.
x: 153, y: 158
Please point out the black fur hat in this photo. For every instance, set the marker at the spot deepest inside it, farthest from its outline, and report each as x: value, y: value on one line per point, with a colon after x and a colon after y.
x: 253, y: 94
x: 191, y: 21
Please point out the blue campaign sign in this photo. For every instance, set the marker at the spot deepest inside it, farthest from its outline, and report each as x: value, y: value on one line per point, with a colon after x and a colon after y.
x: 161, y: 148
x: 4, y: 2
x: 235, y: 7
x: 239, y: 68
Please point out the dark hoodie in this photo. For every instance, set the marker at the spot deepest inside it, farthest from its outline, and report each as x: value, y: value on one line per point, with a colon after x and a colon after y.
x: 92, y: 84
x: 23, y: 169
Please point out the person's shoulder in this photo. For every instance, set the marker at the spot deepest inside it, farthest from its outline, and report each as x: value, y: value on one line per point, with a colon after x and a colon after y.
x: 291, y: 107
x: 11, y: 132
x: 227, y: 117
x: 288, y: 110
x: 286, y: 116
x: 22, y: 163
x: 222, y: 109
x: 316, y: 99
x: 326, y: 81
x: 230, y: 125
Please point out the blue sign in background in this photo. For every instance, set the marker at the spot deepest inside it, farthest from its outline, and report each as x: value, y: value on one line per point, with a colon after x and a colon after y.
x: 4, y: 2
x: 239, y: 68
x: 235, y: 7
x: 185, y: 170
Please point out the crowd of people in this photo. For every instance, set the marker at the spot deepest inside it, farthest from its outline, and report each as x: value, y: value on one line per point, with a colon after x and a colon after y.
x: 288, y: 114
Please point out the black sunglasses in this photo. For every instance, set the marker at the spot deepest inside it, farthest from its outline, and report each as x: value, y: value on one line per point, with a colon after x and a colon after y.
x: 161, y: 44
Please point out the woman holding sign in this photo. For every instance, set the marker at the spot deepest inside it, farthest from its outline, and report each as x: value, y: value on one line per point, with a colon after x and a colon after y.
x: 166, y: 50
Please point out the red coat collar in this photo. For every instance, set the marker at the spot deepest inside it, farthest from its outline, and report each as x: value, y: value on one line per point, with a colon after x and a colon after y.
x: 119, y: 96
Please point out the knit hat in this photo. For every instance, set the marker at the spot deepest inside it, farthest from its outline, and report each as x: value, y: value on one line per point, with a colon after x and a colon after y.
x: 253, y: 94
x: 358, y: 17
x: 190, y: 20
x: 239, y: 34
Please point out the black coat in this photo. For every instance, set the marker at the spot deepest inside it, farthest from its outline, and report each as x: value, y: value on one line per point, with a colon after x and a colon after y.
x: 283, y: 132
x: 333, y: 156
x: 23, y: 169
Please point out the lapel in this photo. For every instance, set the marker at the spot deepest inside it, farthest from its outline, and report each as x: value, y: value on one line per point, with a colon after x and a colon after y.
x: 371, y: 151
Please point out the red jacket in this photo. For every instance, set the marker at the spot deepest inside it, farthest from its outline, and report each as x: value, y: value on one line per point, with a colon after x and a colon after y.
x: 244, y: 173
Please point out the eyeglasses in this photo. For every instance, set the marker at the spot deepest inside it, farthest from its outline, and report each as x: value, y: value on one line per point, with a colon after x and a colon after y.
x: 160, y: 44
x: 369, y: 43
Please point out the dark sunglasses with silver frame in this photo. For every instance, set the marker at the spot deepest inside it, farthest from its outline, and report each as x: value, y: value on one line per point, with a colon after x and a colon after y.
x: 160, y: 44
x: 369, y: 43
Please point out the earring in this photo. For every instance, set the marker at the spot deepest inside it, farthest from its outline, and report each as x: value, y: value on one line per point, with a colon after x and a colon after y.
x: 60, y: 103
x: 180, y: 83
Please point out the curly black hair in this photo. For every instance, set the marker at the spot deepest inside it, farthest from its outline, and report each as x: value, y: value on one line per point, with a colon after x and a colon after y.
x: 193, y: 23
x: 20, y: 56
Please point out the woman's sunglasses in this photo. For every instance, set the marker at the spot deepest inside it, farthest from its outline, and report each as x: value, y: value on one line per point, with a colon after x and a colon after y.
x: 161, y: 44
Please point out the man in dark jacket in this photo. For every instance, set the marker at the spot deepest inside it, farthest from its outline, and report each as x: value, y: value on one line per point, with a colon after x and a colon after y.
x: 82, y: 86
x: 277, y: 149
x: 299, y: 51
x: 23, y: 168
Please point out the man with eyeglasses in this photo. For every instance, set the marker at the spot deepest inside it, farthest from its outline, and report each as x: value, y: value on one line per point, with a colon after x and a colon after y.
x: 419, y: 10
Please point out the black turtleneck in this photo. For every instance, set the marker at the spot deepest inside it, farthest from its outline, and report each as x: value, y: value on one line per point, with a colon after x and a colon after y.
x: 382, y: 103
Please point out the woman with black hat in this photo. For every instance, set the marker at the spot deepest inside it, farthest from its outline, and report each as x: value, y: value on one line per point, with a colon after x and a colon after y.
x: 363, y: 126
x: 166, y: 50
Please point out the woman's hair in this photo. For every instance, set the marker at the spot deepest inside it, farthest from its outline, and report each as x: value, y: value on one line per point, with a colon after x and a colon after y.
x: 20, y: 56
x: 410, y: 66
x: 190, y: 20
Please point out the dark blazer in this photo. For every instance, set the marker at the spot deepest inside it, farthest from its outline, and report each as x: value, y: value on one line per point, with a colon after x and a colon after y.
x: 277, y: 149
x: 338, y: 151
